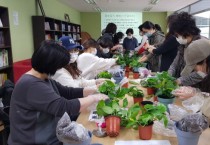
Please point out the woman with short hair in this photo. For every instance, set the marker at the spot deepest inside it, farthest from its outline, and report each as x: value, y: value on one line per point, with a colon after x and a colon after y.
x: 37, y: 102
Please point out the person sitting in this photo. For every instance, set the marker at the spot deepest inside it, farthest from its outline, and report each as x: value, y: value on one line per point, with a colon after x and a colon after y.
x: 70, y: 75
x: 38, y: 102
x: 91, y: 65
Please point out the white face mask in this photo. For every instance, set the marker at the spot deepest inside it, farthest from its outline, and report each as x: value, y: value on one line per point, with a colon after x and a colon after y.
x: 105, y: 50
x: 94, y: 52
x: 130, y: 37
x: 181, y: 40
x: 74, y: 57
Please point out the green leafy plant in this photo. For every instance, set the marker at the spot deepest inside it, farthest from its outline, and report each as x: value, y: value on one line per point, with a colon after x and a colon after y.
x: 105, y: 75
x: 166, y: 84
x: 135, y: 63
x: 135, y: 92
x: 149, y: 82
x: 121, y: 60
x: 115, y: 94
x: 150, y: 113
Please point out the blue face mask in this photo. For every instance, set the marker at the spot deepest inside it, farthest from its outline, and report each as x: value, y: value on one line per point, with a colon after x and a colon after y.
x: 148, y: 34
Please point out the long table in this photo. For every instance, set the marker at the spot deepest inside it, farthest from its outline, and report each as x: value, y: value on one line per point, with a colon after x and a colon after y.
x: 131, y: 134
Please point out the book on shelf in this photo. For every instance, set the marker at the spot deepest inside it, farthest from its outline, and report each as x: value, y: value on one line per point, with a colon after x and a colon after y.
x: 56, y: 27
x: 63, y: 27
x: 75, y: 36
x: 74, y: 29
x: 78, y: 29
x: 69, y: 28
x: 1, y: 24
x: 2, y: 39
x: 4, y: 58
x: 48, y: 37
x: 47, y: 26
x: 56, y: 37
x: 3, y: 78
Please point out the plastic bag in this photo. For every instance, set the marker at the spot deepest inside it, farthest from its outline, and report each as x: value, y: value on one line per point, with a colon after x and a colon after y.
x: 185, y: 92
x: 115, y: 69
x: 177, y: 112
x: 194, y: 103
x: 159, y: 128
x: 193, y: 123
x: 144, y: 72
x: 71, y: 132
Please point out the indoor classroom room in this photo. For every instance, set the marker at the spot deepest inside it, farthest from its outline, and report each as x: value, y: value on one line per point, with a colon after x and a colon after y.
x: 104, y: 72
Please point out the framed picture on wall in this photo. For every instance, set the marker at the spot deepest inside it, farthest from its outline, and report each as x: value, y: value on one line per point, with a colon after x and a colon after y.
x: 1, y: 24
x: 66, y: 17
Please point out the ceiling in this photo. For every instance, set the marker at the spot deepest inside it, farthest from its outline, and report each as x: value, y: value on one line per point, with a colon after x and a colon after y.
x: 128, y: 5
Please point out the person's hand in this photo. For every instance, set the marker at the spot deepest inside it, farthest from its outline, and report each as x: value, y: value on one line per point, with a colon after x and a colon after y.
x: 100, y: 81
x: 143, y: 59
x: 184, y: 92
x: 98, y: 97
x: 89, y: 91
x: 150, y: 50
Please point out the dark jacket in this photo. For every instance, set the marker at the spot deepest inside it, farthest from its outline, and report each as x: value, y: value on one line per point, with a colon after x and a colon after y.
x: 156, y: 39
x: 130, y: 44
x: 168, y: 50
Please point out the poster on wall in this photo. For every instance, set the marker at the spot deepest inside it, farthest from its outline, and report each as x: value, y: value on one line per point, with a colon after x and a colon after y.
x: 123, y: 20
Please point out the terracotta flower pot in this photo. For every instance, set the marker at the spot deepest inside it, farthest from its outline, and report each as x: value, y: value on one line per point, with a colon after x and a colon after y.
x: 150, y: 91
x: 112, y: 126
x: 127, y: 68
x: 155, y: 99
x: 137, y: 100
x: 136, y: 75
x: 127, y: 74
x: 125, y: 85
x: 145, y: 132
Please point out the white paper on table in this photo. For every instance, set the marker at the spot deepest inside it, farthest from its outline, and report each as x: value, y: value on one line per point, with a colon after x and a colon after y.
x: 146, y: 142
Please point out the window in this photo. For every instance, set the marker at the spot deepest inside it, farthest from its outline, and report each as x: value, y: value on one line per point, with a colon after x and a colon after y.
x: 203, y: 23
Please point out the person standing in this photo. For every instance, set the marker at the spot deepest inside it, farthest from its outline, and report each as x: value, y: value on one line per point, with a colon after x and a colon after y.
x: 130, y: 42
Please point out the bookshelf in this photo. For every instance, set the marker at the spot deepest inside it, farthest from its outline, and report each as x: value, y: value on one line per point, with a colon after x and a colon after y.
x: 46, y: 28
x: 6, y: 61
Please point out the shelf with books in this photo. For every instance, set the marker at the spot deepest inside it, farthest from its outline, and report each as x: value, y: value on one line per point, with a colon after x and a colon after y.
x: 50, y: 28
x: 6, y: 60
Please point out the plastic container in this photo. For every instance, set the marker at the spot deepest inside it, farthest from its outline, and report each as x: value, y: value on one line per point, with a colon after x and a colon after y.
x: 187, y: 138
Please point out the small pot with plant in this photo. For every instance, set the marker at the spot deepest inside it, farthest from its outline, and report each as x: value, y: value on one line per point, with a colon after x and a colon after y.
x: 135, y: 64
x: 105, y: 75
x: 145, y: 121
x: 111, y: 109
x: 137, y: 94
x: 166, y: 84
x: 150, y: 83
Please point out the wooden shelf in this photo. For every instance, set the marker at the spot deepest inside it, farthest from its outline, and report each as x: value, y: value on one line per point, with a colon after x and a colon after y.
x: 3, y: 47
x: 39, y: 31
x: 4, y: 27
x: 5, y: 67
x: 7, y: 47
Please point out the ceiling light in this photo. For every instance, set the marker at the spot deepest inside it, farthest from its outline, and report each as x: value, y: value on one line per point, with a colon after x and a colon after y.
x: 90, y: 2
x: 98, y: 9
x: 154, y: 2
x: 147, y: 8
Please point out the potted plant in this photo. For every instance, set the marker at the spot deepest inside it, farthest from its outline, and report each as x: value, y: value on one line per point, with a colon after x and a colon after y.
x: 135, y: 64
x: 166, y: 84
x: 111, y: 109
x: 145, y: 121
x: 150, y: 83
x: 121, y: 61
x: 137, y: 94
x: 105, y: 75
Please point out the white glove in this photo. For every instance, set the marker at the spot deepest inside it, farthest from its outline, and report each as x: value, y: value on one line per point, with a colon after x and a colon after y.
x: 184, y: 92
x: 98, y: 97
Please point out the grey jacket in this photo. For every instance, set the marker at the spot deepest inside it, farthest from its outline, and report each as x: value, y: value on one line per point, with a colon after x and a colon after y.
x: 178, y: 65
x: 154, y: 60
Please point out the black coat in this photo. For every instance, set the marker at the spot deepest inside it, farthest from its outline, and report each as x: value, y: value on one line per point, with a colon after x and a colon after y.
x: 168, y: 50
